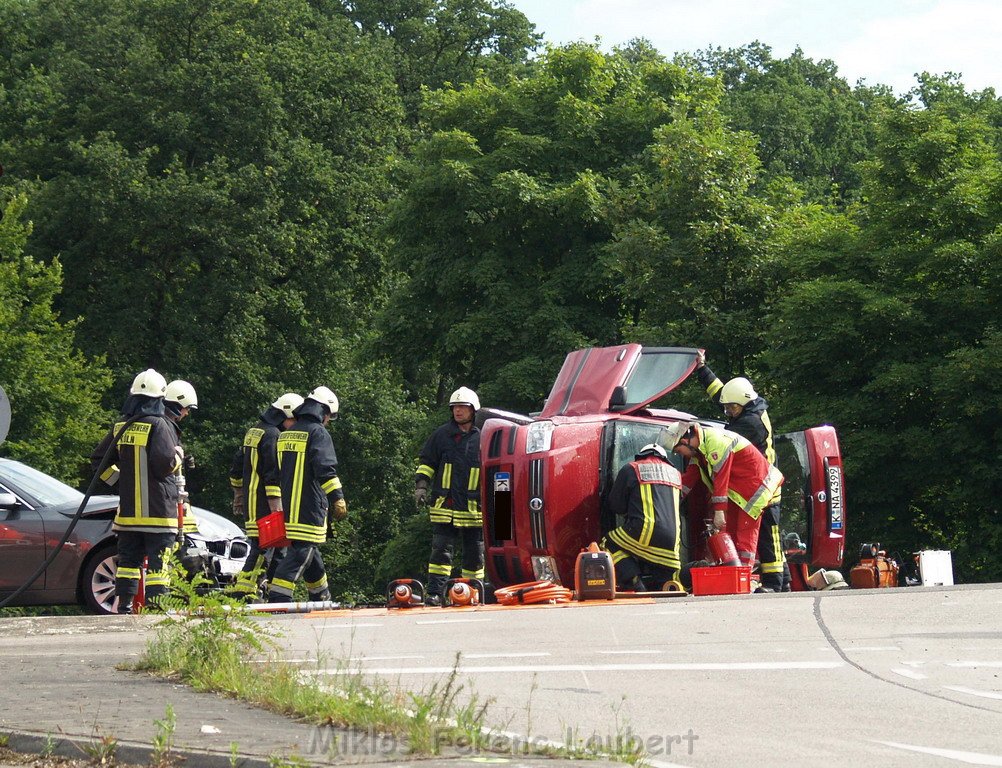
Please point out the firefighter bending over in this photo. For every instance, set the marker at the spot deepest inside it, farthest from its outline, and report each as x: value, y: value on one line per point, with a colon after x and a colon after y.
x: 646, y: 494
x: 148, y: 455
x: 310, y: 486
x: 741, y: 482
x: 256, y: 490
x: 449, y: 467
x: 748, y: 415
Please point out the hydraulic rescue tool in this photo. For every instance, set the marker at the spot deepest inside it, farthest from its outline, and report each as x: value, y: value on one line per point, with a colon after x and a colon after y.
x: 464, y: 592
x: 404, y: 593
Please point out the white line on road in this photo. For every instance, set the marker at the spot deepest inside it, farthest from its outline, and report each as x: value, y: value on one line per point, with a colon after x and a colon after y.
x: 974, y: 663
x: 503, y: 655
x: 909, y: 673
x: 972, y: 692
x: 742, y: 666
x: 384, y: 658
x: 971, y: 758
x: 624, y: 653
x: 452, y: 621
x: 347, y: 626
x: 848, y: 648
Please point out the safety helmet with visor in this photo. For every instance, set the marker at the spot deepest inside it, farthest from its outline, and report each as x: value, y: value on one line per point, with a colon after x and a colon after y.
x: 737, y: 391
x: 327, y: 398
x: 182, y: 393
x: 465, y: 396
x: 149, y: 383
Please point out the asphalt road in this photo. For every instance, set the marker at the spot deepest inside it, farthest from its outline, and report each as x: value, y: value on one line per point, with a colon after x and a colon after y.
x: 856, y: 677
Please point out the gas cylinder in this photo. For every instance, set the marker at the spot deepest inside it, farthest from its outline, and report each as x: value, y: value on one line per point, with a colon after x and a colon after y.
x: 722, y: 548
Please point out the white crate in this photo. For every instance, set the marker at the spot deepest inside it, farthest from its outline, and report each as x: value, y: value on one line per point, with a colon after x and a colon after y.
x: 936, y: 567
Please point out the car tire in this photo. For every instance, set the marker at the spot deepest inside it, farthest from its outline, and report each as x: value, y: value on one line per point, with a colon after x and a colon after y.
x: 97, y: 580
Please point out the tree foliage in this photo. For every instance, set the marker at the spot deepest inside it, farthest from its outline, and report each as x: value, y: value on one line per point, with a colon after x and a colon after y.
x: 53, y: 388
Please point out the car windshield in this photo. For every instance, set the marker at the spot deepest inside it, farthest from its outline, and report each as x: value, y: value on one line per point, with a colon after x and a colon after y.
x: 655, y: 371
x: 41, y: 488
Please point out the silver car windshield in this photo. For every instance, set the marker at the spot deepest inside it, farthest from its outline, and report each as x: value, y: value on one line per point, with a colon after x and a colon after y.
x: 41, y: 488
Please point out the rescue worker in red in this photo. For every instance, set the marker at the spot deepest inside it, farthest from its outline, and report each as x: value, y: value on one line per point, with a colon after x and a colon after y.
x: 310, y: 488
x: 254, y: 479
x: 646, y: 494
x: 742, y: 482
x: 179, y: 400
x: 748, y: 415
x: 449, y: 473
x: 142, y: 461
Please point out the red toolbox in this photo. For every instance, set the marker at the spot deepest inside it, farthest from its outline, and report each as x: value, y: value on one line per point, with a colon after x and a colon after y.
x: 721, y: 580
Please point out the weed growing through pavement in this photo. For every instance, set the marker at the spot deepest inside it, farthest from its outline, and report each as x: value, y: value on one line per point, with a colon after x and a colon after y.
x: 102, y: 750
x: 163, y: 741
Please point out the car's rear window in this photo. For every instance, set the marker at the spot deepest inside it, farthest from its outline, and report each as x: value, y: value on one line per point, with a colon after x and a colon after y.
x: 42, y: 489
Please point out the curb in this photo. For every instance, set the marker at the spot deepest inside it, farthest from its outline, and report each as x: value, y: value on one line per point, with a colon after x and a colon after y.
x: 75, y: 747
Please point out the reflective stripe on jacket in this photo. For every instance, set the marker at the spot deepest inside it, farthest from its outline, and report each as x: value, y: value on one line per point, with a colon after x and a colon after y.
x: 308, y: 478
x: 734, y: 470
x: 255, y: 469
x: 450, y: 461
x: 646, y: 494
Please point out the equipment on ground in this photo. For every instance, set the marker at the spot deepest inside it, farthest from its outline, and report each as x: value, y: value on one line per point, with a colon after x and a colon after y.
x: 594, y: 575
x: 875, y: 569
x: 404, y: 593
x: 532, y: 593
x: 463, y: 592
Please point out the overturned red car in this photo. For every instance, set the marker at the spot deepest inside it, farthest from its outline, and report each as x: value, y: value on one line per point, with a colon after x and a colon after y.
x: 545, y: 477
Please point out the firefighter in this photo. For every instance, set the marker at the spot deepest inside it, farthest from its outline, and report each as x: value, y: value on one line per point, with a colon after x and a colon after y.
x: 646, y: 494
x: 145, y: 456
x: 179, y: 400
x: 310, y: 486
x: 748, y: 415
x: 256, y: 489
x: 742, y: 482
x: 449, y: 473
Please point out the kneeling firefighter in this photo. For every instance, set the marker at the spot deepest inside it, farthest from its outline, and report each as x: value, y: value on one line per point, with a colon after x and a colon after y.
x: 646, y: 494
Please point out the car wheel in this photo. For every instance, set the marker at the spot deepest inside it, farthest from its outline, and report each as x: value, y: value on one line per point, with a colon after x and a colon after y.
x: 97, y: 582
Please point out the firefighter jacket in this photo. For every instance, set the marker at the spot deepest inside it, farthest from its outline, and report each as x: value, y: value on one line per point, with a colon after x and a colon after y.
x: 753, y: 423
x: 308, y: 477
x: 255, y: 467
x: 142, y: 464
x: 646, y: 494
x: 450, y: 462
x: 734, y: 471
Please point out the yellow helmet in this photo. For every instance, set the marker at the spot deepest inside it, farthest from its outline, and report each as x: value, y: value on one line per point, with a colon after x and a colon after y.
x: 738, y: 391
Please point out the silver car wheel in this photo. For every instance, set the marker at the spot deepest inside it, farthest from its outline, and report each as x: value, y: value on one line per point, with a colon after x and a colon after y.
x: 102, y: 584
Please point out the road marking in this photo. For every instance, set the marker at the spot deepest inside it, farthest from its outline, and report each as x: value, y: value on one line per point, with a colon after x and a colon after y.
x: 741, y: 666
x: 503, y: 655
x: 385, y: 658
x: 452, y: 621
x: 972, y: 692
x: 974, y: 664
x: 913, y: 663
x: 624, y: 653
x: 909, y: 673
x: 348, y: 626
x: 971, y: 758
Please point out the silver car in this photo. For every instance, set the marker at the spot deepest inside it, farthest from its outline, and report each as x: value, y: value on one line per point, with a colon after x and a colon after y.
x: 36, y: 509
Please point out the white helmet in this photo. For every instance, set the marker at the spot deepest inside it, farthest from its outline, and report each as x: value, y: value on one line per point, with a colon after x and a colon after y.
x: 652, y: 449
x: 738, y: 391
x: 289, y: 402
x: 149, y: 383
x: 325, y: 396
x: 182, y: 393
x: 675, y: 432
x: 465, y: 396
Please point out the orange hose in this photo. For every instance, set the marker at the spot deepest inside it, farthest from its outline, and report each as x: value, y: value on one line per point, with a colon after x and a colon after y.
x: 533, y: 592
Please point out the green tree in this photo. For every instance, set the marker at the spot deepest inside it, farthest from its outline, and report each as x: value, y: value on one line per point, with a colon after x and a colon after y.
x: 506, y: 211
x: 54, y: 390
x: 907, y: 321
x: 446, y: 42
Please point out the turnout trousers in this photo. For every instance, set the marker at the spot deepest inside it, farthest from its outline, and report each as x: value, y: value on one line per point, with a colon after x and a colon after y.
x: 302, y: 561
x: 133, y: 548
x: 443, y: 541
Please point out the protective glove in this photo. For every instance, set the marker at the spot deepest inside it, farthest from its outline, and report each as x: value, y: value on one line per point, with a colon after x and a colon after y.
x: 239, y: 512
x: 700, y: 359
x: 339, y: 510
x: 188, y: 463
x: 421, y: 493
x: 719, y: 521
x: 178, y: 458
x: 274, y: 503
